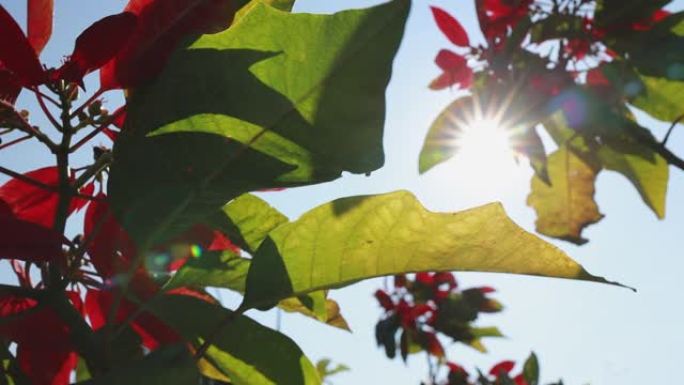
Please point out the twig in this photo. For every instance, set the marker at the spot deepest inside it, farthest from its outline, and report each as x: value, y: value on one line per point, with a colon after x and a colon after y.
x: 28, y: 128
x: 669, y: 131
x: 46, y: 111
x: 86, y: 103
x: 49, y: 98
x: 94, y: 133
x: 26, y: 179
x: 15, y: 141
x: 101, y: 163
x: 20, y: 291
x: 209, y: 339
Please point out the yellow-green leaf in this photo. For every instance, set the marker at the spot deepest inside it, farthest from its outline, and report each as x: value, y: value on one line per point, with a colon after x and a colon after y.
x: 361, y: 237
x: 566, y: 206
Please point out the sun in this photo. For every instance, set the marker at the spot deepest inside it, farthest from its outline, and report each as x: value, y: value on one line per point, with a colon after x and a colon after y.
x: 485, y: 163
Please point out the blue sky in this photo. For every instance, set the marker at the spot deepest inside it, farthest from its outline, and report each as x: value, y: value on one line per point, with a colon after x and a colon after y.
x: 584, y: 333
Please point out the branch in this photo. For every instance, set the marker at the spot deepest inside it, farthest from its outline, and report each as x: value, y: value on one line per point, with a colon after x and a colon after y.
x: 26, y: 127
x: 46, y: 111
x: 100, y: 164
x: 96, y: 131
x: 669, y: 131
x: 26, y: 179
x: 86, y: 103
x: 15, y: 141
x: 20, y: 291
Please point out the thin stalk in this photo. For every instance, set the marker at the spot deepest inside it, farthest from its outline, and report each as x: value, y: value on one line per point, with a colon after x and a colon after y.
x: 15, y: 141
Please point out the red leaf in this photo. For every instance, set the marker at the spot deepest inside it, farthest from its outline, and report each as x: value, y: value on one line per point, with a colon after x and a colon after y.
x: 16, y: 52
x: 462, y: 79
x: 119, y: 117
x: 97, y: 45
x: 424, y: 278
x: 433, y: 345
x: 448, y: 278
x: 455, y: 368
x: 25, y: 240
x: 496, y: 17
x: 33, y: 203
x: 384, y: 300
x: 44, y: 351
x: 161, y: 26
x: 502, y: 367
x: 449, y: 61
x: 109, y: 246
x: 456, y: 71
x: 39, y: 23
x: 400, y: 280
x: 450, y: 27
x: 46, y: 365
x: 520, y: 380
x: 648, y: 23
x: 9, y: 85
x: 151, y: 330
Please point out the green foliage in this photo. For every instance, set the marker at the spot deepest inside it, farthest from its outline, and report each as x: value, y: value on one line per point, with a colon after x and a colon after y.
x: 310, y: 105
x: 369, y: 236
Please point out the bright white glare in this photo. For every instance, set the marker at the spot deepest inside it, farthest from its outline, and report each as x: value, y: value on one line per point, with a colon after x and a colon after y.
x: 485, y: 162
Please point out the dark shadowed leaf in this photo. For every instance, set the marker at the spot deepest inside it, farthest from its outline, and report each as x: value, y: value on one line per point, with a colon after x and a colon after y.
x: 171, y: 365
x: 237, y: 349
x: 311, y: 105
x: 16, y: 53
x: 162, y: 24
x: 97, y: 45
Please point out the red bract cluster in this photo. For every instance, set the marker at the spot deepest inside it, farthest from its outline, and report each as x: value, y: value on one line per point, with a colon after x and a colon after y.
x: 429, y: 305
x: 102, y: 270
x: 498, y: 17
x: 499, y: 374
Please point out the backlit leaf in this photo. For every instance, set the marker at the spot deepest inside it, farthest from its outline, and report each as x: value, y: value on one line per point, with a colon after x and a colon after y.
x: 369, y: 236
x: 566, y: 206
x: 450, y: 27
x: 16, y: 53
x: 311, y: 105
x: 39, y: 23
x: 662, y: 98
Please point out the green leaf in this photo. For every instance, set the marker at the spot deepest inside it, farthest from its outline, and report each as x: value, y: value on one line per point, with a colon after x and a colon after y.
x: 170, y: 365
x: 228, y: 270
x: 441, y: 142
x: 662, y: 98
x: 325, y: 369
x: 212, y: 269
x: 237, y: 343
x: 646, y: 170
x: 352, y: 239
x: 247, y: 220
x: 531, y: 370
x: 279, y: 99
x: 245, y: 6
x: 566, y: 206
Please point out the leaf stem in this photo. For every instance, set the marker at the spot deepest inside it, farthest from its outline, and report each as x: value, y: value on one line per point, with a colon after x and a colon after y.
x: 669, y: 130
x: 87, y: 103
x: 46, y: 111
x: 26, y: 179
x: 15, y: 141
x: 26, y: 127
x: 96, y: 131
